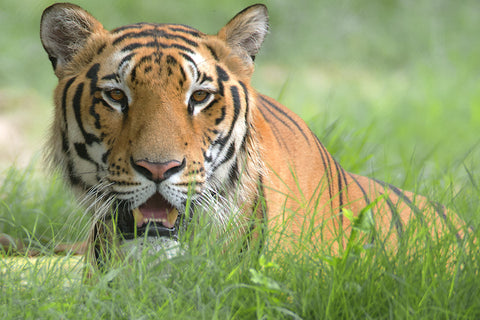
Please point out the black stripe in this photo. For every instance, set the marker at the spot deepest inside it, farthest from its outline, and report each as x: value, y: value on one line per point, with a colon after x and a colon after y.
x: 393, y: 208
x: 112, y: 76
x: 143, y: 60
x: 205, y: 78
x: 154, y: 33
x: 243, y: 146
x: 393, y: 211
x: 135, y: 26
x: 65, y: 146
x: 344, y: 190
x: 65, y: 141
x: 395, y: 216
x: 222, y: 116
x: 82, y: 152
x: 247, y: 101
x: 105, y: 156
x: 327, y: 168
x: 64, y: 101
x: 139, y: 64
x: 402, y: 197
x: 273, y: 126
x: 171, y: 60
x: 365, y: 196
x: 247, y: 112
x: 206, y: 137
x: 186, y: 29
x: 278, y: 109
x: 278, y: 118
x: 125, y: 59
x: 340, y: 192
x: 92, y: 74
x: 207, y: 158
x: 222, y: 74
x: 95, y: 115
x: 236, y: 107
x: 89, y: 138
x: 183, y: 74
x: 189, y: 59
x: 441, y: 211
x: 73, y: 177
x: 181, y: 38
x: 222, y: 77
x: 211, y: 104
x: 236, y: 111
x: 212, y: 52
x: 340, y: 187
x: 133, y: 75
x: 228, y: 155
x: 101, y: 48
x: 234, y: 173
x: 344, y: 180
x: 155, y: 44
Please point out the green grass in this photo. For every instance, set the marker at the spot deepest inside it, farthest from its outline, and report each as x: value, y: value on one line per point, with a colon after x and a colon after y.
x: 390, y: 87
x: 39, y: 211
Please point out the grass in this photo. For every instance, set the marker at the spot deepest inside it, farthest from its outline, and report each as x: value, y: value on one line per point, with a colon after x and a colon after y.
x: 390, y: 89
x: 38, y: 213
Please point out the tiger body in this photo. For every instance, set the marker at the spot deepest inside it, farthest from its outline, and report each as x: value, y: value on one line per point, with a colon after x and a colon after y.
x: 158, y: 119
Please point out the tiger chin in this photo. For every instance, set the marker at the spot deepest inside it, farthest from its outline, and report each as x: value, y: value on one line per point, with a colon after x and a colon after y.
x: 155, y: 123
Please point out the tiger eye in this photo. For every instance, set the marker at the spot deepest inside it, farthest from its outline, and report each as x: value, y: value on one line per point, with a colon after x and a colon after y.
x: 200, y: 96
x: 116, y: 95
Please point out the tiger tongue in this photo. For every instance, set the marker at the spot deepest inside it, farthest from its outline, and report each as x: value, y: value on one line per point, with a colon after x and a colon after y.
x: 156, y: 209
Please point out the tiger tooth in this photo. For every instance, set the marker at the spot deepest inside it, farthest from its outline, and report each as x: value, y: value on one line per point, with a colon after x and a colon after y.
x: 172, y: 216
x: 138, y: 216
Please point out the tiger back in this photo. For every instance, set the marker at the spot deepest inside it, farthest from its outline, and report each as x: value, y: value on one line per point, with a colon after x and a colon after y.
x: 155, y: 121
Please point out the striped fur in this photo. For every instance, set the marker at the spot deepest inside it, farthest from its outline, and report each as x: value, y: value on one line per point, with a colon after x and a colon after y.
x: 127, y: 97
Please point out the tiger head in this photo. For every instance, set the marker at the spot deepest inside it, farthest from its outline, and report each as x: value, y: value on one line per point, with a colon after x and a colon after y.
x: 155, y: 120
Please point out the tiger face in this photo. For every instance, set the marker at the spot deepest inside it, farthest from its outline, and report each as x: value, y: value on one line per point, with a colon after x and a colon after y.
x: 153, y: 121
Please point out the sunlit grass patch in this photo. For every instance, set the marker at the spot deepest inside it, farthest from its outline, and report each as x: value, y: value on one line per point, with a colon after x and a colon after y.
x: 31, y: 271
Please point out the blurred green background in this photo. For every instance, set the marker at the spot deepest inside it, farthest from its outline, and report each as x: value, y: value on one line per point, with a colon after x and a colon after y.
x: 392, y: 87
x: 349, y: 63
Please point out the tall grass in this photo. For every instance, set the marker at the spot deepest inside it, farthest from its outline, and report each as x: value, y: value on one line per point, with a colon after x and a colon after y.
x: 391, y: 89
x: 38, y: 211
x: 214, y: 280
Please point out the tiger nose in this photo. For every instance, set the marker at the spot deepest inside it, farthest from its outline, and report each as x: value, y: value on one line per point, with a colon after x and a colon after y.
x: 158, y: 171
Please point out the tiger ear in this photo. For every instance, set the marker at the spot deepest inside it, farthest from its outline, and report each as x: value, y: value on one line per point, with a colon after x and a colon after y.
x: 246, y: 31
x: 64, y: 30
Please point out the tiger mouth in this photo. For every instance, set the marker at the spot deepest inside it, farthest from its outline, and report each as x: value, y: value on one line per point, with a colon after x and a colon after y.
x: 154, y: 218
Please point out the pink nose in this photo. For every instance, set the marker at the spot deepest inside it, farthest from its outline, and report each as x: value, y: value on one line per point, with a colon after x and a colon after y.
x: 157, y: 171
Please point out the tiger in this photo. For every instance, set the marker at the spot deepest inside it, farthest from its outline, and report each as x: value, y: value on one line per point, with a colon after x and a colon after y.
x: 154, y: 122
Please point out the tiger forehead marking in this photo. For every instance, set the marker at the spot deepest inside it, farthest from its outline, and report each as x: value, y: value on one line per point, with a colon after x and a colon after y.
x: 156, y: 124
x: 149, y: 45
